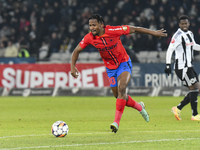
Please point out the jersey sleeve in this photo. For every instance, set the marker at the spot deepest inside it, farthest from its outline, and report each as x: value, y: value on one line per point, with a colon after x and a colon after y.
x: 192, y: 35
x: 175, y: 41
x: 119, y: 30
x: 85, y: 41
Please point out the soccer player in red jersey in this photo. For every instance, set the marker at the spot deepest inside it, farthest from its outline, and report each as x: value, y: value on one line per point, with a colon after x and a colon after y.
x: 118, y: 65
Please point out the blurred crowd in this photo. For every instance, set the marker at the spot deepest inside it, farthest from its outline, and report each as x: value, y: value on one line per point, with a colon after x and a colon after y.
x: 43, y: 27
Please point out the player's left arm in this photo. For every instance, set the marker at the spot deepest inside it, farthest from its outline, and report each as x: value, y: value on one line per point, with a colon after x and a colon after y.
x: 196, y: 47
x: 158, y: 33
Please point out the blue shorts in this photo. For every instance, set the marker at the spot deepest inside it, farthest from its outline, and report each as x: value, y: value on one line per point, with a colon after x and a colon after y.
x: 113, y: 74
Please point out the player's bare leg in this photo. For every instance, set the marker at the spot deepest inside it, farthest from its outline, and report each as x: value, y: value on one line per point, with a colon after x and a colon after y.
x: 120, y: 94
x: 115, y: 91
x: 124, y: 100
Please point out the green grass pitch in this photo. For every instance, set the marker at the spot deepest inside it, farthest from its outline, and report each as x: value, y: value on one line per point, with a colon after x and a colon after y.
x: 25, y: 123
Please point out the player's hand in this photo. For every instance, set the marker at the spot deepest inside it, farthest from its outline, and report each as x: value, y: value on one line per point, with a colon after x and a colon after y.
x: 168, y: 69
x: 74, y: 72
x: 161, y: 33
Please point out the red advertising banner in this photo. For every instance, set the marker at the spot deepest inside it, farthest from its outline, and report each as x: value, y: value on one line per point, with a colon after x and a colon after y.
x: 52, y: 75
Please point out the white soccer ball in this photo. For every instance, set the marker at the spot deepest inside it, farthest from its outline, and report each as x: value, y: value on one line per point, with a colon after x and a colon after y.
x: 59, y: 129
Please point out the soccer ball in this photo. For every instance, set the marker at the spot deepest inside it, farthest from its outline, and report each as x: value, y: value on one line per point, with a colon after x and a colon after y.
x: 59, y: 129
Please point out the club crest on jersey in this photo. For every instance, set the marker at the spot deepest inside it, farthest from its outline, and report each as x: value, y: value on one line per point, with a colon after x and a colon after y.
x: 124, y: 28
x: 173, y: 40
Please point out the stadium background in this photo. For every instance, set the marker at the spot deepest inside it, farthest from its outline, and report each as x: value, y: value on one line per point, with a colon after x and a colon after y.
x: 49, y: 30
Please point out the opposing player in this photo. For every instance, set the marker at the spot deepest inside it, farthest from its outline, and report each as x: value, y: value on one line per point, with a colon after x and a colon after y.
x: 183, y: 44
x: 117, y: 62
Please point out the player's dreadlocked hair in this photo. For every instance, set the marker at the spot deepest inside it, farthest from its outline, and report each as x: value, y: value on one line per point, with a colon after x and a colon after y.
x: 98, y: 17
x: 183, y: 17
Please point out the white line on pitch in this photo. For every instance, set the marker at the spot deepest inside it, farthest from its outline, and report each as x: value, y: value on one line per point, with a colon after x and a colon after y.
x: 106, y: 143
x: 17, y: 136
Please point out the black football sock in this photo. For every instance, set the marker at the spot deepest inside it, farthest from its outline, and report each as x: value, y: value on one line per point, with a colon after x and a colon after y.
x: 193, y: 101
x: 184, y: 102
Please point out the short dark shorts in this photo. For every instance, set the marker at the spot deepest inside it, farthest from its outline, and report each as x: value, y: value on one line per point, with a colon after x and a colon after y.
x: 190, y: 77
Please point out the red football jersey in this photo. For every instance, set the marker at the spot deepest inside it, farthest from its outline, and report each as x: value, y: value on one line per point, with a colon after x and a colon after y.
x: 109, y: 45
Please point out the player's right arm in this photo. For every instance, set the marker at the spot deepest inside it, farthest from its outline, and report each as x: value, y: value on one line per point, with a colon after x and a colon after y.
x: 74, y: 58
x: 171, y: 48
x: 83, y: 44
x: 169, y: 53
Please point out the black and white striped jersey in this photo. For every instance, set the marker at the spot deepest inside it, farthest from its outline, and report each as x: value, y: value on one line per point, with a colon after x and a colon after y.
x: 183, y: 44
